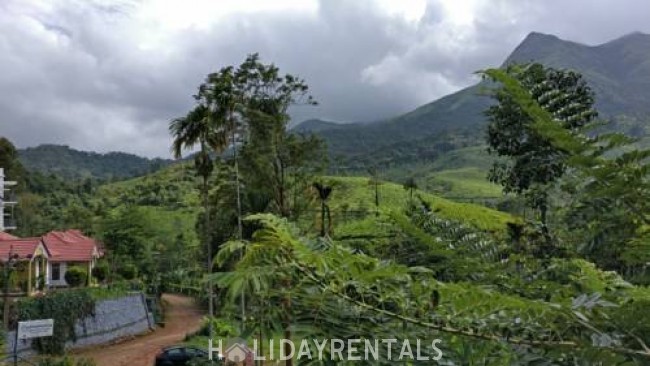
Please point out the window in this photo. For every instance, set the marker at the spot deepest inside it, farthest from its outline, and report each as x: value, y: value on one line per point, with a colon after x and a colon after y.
x: 56, y: 271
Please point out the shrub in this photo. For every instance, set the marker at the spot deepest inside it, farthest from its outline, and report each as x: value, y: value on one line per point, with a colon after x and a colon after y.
x: 221, y: 327
x: 128, y: 271
x: 75, y: 277
x: 100, y: 272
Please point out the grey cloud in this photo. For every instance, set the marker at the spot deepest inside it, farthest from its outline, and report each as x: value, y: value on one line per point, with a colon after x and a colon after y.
x: 75, y: 74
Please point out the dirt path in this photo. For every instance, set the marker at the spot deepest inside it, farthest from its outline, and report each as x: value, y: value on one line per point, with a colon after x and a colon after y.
x: 182, y: 316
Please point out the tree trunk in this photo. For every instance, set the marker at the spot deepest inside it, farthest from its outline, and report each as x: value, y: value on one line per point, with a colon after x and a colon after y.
x: 329, y: 220
x: 322, y: 218
x: 206, y: 233
x: 240, y: 230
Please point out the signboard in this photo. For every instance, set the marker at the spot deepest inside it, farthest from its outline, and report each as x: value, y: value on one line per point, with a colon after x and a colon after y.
x: 35, y: 328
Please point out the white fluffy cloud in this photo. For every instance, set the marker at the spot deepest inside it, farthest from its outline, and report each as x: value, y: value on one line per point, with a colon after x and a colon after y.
x: 109, y: 75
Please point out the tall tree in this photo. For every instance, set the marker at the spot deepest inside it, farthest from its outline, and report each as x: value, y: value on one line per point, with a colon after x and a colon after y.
x: 9, y: 161
x: 276, y: 160
x: 534, y: 163
x: 610, y: 194
x: 198, y: 128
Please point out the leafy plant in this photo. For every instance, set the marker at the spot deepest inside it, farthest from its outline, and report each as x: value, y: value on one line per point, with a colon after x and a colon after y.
x: 100, y: 272
x: 337, y: 292
x: 128, y: 271
x: 75, y: 276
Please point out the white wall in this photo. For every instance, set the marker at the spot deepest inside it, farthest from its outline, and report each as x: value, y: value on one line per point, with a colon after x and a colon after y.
x: 61, y: 281
x: 2, y: 195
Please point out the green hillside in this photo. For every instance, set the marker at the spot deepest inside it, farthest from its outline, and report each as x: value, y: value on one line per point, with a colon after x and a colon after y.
x: 457, y: 174
x: 172, y: 187
x: 74, y: 164
x: 355, y: 195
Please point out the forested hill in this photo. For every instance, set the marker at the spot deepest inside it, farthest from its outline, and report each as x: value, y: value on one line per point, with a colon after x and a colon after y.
x: 618, y: 71
x: 74, y: 164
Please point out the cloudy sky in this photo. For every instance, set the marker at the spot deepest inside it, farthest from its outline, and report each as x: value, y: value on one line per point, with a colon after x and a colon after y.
x: 109, y: 75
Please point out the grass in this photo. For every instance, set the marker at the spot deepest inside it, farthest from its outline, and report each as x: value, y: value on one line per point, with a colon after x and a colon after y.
x: 458, y: 174
x: 103, y: 293
x: 461, y: 183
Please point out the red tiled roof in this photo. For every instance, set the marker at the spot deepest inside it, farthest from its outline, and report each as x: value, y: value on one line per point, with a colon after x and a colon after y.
x: 7, y: 236
x: 70, y: 246
x: 24, y: 248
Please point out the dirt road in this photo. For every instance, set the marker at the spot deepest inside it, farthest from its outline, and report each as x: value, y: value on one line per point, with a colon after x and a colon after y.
x: 182, y: 316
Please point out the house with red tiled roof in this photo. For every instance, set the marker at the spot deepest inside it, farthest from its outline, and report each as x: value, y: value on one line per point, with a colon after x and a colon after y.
x: 29, y: 260
x: 42, y: 262
x: 68, y: 249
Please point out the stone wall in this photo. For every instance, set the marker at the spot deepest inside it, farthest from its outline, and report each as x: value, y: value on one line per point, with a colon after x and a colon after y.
x: 114, y: 319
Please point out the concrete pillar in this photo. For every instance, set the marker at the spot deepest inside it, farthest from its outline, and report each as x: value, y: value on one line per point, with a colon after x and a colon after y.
x: 47, y: 273
x: 90, y: 272
x: 29, y: 278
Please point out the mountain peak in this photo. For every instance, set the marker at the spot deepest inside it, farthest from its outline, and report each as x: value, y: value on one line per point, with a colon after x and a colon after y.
x: 633, y: 39
x: 636, y: 34
x: 539, y: 36
x: 537, y: 46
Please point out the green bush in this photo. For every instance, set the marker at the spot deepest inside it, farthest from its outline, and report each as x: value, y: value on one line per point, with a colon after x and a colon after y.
x: 100, y: 272
x: 128, y: 271
x: 75, y: 277
x: 220, y: 326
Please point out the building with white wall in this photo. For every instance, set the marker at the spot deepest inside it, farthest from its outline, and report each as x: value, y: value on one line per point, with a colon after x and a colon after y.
x: 7, y: 203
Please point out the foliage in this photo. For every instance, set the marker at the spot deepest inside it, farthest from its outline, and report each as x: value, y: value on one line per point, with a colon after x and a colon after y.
x: 338, y: 293
x: 608, y: 194
x: 128, y: 271
x: 275, y: 164
x: 66, y: 308
x: 13, y: 168
x: 127, y: 232
x: 222, y: 328
x: 534, y: 163
x: 100, y: 272
x: 75, y: 276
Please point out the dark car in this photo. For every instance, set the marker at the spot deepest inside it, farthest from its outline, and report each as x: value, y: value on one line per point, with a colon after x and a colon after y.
x: 181, y: 356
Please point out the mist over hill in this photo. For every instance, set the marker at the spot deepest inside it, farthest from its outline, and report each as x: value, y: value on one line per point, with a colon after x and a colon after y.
x: 618, y: 71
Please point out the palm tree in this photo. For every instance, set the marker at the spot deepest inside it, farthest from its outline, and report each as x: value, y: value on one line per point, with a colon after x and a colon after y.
x: 410, y: 185
x: 375, y: 181
x: 323, y: 194
x: 197, y: 128
x: 222, y: 92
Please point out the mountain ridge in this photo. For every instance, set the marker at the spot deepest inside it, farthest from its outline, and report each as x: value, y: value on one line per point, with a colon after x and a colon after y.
x: 618, y: 71
x: 69, y: 163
